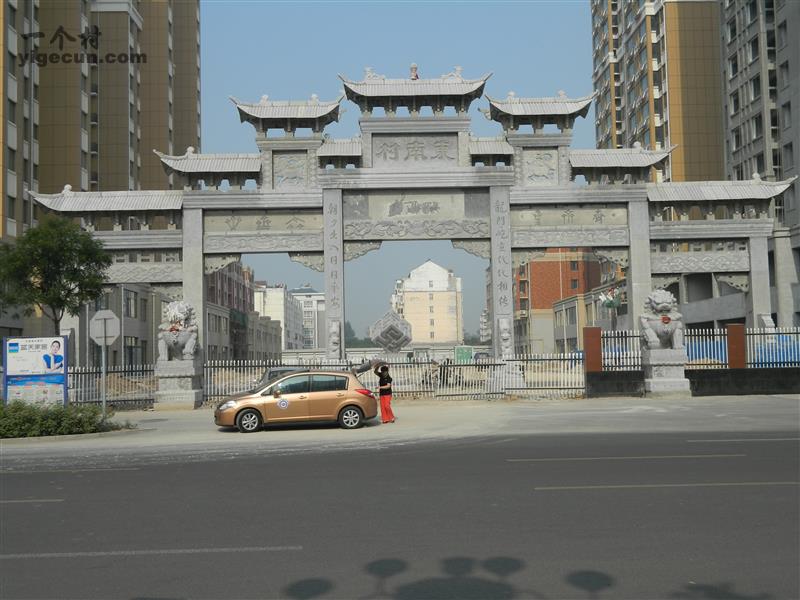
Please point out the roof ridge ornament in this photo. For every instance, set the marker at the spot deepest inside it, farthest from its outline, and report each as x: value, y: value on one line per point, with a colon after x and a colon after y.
x: 67, y: 189
x: 370, y: 75
x: 756, y: 176
x: 456, y: 73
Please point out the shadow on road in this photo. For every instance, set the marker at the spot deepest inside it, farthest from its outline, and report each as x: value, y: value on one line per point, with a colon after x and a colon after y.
x: 465, y: 578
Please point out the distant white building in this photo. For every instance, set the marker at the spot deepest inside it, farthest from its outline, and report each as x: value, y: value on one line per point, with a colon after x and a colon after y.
x: 275, y: 302
x: 430, y: 299
x: 313, y: 303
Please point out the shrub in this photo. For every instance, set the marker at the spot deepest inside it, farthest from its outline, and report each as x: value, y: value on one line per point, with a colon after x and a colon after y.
x: 18, y: 419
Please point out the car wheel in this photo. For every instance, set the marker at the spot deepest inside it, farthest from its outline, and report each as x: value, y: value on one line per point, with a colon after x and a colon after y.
x: 248, y: 421
x: 351, y: 417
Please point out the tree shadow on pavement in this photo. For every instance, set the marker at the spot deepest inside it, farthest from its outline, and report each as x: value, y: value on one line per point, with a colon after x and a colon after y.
x: 467, y: 578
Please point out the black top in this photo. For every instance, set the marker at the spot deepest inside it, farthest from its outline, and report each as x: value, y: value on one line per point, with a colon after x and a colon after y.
x: 384, y: 379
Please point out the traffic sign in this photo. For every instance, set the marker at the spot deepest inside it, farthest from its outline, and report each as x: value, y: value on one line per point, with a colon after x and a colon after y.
x: 104, y: 327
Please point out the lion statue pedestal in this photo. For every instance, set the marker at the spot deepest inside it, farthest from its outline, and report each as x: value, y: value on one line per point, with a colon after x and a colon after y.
x: 179, y: 368
x: 663, y: 353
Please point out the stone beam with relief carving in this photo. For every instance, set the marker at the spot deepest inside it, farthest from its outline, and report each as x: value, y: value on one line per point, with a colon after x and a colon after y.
x: 259, y: 242
x: 547, y: 237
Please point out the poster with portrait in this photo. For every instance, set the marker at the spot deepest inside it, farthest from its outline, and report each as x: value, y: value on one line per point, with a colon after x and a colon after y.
x: 35, y: 370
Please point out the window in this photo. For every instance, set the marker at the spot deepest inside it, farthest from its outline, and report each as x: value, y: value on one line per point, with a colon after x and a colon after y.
x: 143, y: 309
x: 758, y: 127
x: 295, y: 385
x: 328, y: 383
x: 759, y: 163
x: 788, y: 155
x: 752, y: 11
x: 11, y: 159
x: 734, y: 105
x: 737, y: 138
x: 783, y: 71
x: 573, y: 284
x: 571, y: 315
x: 731, y: 29
x: 782, y: 34
x: 752, y: 49
x: 131, y: 300
x: 432, y: 335
x: 786, y: 114
x: 573, y: 265
x: 431, y: 323
x: 755, y: 87
x: 430, y: 296
x: 733, y: 66
x: 430, y: 309
x: 12, y: 111
x: 430, y: 284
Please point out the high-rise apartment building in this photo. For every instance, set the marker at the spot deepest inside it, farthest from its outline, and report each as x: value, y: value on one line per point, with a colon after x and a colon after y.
x: 19, y: 131
x: 750, y: 89
x: 657, y: 79
x: 117, y: 97
x: 430, y: 299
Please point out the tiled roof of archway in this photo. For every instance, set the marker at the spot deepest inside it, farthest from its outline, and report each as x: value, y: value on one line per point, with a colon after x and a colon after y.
x: 211, y: 163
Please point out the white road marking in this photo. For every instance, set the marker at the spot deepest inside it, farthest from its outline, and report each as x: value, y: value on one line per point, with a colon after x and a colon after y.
x: 32, y: 500
x: 748, y: 440
x: 14, y: 471
x: 625, y: 457
x: 150, y: 552
x: 662, y: 485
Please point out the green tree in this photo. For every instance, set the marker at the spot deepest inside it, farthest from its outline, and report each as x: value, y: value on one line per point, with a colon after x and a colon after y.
x: 55, y: 266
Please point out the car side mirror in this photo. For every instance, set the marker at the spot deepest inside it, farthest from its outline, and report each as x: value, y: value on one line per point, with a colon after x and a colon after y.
x: 276, y: 393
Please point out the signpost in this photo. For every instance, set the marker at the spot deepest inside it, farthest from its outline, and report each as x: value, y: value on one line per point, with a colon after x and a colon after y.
x: 462, y: 354
x: 104, y: 329
x: 36, y: 370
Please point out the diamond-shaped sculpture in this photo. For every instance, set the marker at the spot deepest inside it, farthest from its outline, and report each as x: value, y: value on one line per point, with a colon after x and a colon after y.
x: 391, y: 332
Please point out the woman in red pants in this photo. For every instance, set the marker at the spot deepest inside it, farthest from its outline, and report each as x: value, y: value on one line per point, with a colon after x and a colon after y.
x: 385, y: 392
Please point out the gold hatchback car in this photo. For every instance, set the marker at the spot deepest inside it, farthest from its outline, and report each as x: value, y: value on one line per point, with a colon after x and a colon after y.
x: 299, y: 397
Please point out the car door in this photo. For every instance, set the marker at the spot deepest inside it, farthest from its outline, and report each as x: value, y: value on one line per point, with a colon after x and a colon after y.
x: 291, y: 402
x: 327, y: 393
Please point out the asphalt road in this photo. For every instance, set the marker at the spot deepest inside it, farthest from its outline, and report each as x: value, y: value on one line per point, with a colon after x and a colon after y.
x: 506, y: 514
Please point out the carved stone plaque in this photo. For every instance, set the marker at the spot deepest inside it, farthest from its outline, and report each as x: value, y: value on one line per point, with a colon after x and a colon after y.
x: 540, y: 166
x: 414, y: 152
x: 260, y: 220
x: 415, y: 205
x: 289, y: 169
x: 568, y: 215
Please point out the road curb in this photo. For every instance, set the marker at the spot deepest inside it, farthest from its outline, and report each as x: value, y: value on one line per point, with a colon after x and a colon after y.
x: 43, y: 439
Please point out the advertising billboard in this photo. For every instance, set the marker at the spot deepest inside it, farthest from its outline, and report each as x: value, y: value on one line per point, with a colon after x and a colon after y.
x: 35, y: 370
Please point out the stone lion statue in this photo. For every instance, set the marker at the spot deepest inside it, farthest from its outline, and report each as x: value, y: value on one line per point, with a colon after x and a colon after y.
x: 177, y: 337
x: 661, y: 322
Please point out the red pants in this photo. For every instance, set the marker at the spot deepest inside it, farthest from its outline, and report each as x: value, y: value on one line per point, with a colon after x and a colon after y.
x: 387, y: 416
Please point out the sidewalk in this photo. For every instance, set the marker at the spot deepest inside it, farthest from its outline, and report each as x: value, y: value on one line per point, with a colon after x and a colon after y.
x: 421, y: 420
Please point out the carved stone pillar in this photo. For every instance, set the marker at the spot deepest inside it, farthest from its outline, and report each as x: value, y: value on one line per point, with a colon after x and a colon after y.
x: 638, y: 276
x: 194, y: 288
x: 785, y: 277
x: 333, y: 247
x: 502, y: 296
x: 759, y: 305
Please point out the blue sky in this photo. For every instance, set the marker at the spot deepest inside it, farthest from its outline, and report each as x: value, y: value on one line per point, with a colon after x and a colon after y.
x: 290, y: 50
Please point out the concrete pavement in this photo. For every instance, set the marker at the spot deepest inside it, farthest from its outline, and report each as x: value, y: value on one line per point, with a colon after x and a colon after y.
x: 191, y: 434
